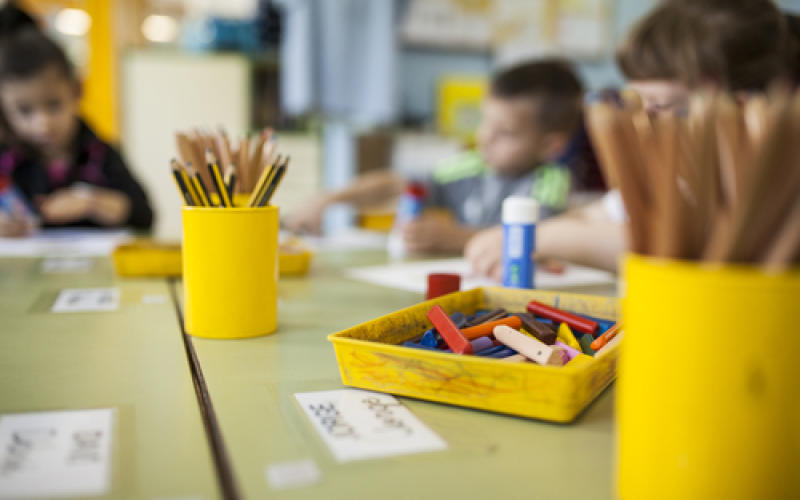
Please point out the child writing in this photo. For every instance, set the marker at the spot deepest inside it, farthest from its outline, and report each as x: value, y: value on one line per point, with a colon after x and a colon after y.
x: 69, y: 176
x: 525, y: 147
x: 683, y: 45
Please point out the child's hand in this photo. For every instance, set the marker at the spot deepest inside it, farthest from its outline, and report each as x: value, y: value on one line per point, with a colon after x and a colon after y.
x: 13, y: 226
x: 65, y: 206
x: 103, y: 206
x: 434, y: 233
x: 484, y: 252
x: 307, y: 219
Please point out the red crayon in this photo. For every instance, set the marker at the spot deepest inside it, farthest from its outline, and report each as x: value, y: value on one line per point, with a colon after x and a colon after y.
x: 449, y: 331
x: 575, y: 322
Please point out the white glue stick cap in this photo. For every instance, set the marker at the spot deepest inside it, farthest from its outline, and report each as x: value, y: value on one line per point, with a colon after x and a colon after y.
x: 520, y: 210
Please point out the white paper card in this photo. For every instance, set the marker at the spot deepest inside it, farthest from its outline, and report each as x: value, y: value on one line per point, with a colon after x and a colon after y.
x: 65, y: 242
x: 55, y: 454
x: 86, y: 300
x: 295, y: 474
x: 413, y: 276
x: 55, y: 265
x: 358, y: 425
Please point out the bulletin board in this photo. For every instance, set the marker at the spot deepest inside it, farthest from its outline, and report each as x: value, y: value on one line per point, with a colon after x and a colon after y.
x: 512, y: 29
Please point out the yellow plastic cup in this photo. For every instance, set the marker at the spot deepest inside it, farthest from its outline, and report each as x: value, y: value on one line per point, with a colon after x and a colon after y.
x: 230, y: 271
x: 707, y: 398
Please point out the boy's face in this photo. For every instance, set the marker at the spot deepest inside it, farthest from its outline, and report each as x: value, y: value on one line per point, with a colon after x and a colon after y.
x: 508, y: 137
x: 42, y: 110
x: 662, y: 95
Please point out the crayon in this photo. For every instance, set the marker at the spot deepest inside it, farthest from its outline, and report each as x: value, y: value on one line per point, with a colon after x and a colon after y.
x: 573, y: 320
x: 528, y: 346
x: 448, y: 330
x: 483, y: 329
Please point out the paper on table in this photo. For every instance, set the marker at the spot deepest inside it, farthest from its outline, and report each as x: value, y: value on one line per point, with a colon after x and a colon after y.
x: 350, y: 239
x: 412, y: 276
x: 64, y: 243
x: 86, y: 300
x: 55, y: 454
x: 358, y: 424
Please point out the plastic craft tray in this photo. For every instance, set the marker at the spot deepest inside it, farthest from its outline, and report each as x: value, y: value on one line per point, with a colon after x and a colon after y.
x: 369, y: 358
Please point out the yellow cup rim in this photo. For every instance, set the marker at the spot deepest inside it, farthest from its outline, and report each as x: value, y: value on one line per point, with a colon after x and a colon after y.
x: 269, y: 208
x: 721, y: 273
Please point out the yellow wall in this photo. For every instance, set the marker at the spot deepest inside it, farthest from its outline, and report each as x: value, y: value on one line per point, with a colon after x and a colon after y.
x: 99, y: 104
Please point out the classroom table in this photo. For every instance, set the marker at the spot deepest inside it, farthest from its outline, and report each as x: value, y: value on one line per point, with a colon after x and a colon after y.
x: 251, y: 384
x: 132, y: 360
x: 201, y: 419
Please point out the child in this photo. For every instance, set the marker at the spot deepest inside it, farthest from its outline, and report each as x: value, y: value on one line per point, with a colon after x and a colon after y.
x: 529, y: 118
x: 50, y: 155
x: 681, y: 46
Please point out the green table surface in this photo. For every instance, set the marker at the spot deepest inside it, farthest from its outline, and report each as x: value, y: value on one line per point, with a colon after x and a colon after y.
x: 132, y: 360
x: 251, y: 384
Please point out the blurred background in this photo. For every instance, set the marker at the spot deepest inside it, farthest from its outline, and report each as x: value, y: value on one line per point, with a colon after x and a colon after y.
x: 350, y: 85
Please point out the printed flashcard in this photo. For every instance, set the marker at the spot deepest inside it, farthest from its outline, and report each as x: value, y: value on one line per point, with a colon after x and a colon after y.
x: 59, y: 265
x: 359, y: 425
x: 86, y: 300
x: 55, y: 454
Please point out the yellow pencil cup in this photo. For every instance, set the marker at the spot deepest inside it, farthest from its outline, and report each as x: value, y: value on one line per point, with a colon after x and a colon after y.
x: 230, y: 271
x: 707, y: 398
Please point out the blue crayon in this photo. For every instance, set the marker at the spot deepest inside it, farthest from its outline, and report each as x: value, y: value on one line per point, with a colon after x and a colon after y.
x: 491, y: 350
x: 459, y: 319
x: 503, y: 353
x: 431, y: 338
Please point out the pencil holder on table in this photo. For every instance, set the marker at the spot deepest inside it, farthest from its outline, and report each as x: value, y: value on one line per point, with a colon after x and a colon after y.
x: 230, y: 271
x: 707, y: 398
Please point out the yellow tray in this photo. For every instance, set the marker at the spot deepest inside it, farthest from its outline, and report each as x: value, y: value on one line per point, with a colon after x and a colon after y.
x: 147, y: 258
x: 369, y: 358
x: 152, y: 259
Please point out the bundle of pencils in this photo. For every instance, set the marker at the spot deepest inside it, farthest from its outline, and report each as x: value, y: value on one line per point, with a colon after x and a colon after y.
x: 719, y: 185
x: 246, y: 157
x: 194, y: 190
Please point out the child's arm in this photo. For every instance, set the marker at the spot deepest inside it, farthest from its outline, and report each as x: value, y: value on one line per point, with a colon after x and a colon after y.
x: 368, y: 189
x: 436, y: 233
x: 587, y: 236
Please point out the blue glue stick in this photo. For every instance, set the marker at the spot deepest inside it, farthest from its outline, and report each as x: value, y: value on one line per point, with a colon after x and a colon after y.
x: 520, y: 214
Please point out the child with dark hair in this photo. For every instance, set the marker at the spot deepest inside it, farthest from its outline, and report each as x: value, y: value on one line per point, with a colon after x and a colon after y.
x: 528, y: 144
x: 50, y: 155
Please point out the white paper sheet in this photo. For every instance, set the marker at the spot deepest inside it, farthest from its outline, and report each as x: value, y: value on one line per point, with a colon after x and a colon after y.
x: 86, y: 300
x: 358, y: 425
x: 349, y: 239
x: 64, y: 243
x: 55, y: 454
x: 413, y: 276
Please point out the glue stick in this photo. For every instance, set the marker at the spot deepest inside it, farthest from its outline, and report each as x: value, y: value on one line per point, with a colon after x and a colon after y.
x: 520, y: 214
x: 411, y: 205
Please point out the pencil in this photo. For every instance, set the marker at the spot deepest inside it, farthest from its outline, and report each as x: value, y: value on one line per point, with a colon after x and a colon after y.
x: 182, y: 187
x: 199, y: 186
x: 280, y: 172
x: 263, y: 181
x: 719, y: 185
x: 176, y: 165
x: 230, y: 180
x: 216, y: 179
